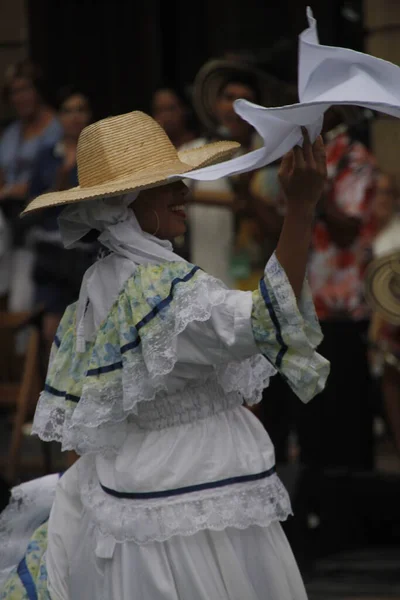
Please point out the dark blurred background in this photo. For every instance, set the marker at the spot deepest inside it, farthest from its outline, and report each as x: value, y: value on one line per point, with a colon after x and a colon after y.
x: 122, y: 51
x: 119, y: 53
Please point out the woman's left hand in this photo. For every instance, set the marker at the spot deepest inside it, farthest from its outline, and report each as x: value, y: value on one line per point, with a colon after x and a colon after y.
x: 303, y: 173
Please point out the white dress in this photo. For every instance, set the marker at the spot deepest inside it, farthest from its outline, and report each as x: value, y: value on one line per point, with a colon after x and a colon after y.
x: 176, y: 495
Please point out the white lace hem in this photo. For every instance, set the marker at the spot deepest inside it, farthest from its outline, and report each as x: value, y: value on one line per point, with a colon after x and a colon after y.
x: 144, y: 521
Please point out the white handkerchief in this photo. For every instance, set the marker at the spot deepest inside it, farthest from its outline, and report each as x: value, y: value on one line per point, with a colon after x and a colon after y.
x: 327, y: 76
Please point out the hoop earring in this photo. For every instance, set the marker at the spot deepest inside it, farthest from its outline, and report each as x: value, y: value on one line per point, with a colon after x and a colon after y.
x: 158, y: 222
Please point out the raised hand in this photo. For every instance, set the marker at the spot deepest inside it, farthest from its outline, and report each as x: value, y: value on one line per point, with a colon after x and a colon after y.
x: 303, y: 173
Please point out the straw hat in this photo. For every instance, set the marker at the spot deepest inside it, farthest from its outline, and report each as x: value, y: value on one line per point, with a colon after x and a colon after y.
x: 217, y: 73
x: 383, y: 287
x: 128, y: 153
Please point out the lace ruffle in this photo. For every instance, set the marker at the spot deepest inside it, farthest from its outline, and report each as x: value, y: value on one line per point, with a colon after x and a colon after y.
x: 53, y: 419
x: 239, y: 505
x: 249, y: 377
x: 50, y: 416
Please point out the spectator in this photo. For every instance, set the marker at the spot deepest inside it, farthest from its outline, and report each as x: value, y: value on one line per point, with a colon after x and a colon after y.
x: 384, y: 335
x: 172, y: 111
x: 35, y: 126
x: 341, y: 248
x: 225, y: 238
x: 342, y: 245
x: 57, y: 275
x: 386, y: 213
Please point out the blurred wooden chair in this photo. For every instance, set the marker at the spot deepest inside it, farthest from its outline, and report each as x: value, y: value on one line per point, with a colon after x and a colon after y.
x: 20, y: 383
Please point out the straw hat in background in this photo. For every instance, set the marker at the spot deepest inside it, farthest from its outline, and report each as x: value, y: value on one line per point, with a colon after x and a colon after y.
x: 382, y: 285
x: 217, y: 73
x: 128, y: 153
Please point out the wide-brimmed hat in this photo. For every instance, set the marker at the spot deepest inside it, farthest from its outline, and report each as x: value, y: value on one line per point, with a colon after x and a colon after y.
x: 127, y: 153
x: 383, y: 287
x: 217, y: 73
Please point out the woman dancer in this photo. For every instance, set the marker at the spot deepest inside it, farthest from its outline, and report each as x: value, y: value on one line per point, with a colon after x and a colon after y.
x: 175, y: 495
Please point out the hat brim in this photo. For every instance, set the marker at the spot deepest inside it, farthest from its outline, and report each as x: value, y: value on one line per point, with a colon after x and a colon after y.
x: 215, y: 74
x: 186, y: 161
x: 380, y: 277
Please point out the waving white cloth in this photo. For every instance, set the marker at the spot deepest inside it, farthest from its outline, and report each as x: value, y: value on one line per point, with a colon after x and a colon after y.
x: 130, y: 246
x: 327, y: 76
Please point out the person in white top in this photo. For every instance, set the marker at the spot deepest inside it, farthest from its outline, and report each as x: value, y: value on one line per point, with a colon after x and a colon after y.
x: 214, y: 205
x: 171, y: 110
x: 387, y: 214
x: 384, y: 336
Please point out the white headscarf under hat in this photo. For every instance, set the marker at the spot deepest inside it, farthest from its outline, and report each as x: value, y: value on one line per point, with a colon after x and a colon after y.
x: 130, y: 246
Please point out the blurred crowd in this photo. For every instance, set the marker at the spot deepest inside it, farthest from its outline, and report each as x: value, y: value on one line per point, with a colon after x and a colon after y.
x: 233, y: 228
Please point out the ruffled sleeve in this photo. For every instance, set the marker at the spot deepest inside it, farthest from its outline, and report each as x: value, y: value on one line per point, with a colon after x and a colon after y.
x: 287, y: 332
x: 268, y: 324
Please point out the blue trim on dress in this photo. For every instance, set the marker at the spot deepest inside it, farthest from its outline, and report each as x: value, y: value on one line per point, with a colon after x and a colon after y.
x: 189, y: 489
x: 275, y: 321
x: 54, y: 392
x: 27, y: 580
x: 146, y: 319
x: 106, y: 369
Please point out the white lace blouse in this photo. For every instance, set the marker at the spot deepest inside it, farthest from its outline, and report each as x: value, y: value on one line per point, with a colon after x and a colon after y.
x: 155, y: 405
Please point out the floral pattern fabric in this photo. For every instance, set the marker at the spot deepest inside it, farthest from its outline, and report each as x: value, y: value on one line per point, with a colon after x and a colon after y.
x: 28, y: 581
x: 336, y: 274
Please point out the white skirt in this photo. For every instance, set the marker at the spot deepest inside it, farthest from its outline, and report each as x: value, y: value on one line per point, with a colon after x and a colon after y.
x: 251, y: 564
